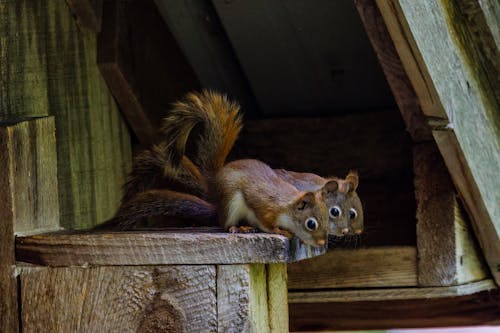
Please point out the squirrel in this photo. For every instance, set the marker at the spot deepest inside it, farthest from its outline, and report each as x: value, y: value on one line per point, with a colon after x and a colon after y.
x: 166, y: 182
x: 344, y: 206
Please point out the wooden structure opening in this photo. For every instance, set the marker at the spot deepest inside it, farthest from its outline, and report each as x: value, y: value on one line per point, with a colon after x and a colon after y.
x: 406, y: 93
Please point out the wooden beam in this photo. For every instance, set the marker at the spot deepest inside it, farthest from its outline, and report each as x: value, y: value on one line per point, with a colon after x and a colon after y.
x: 158, y: 248
x: 142, y: 65
x: 119, y: 299
x: 470, y: 310
x: 444, y: 63
x: 447, y: 253
x: 196, y: 27
x: 389, y: 294
x: 277, y: 297
x: 48, y: 67
x: 88, y: 13
x: 358, y: 268
x: 398, y: 80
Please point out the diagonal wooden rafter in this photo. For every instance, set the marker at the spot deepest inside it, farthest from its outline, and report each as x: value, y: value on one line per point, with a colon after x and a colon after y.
x: 450, y: 70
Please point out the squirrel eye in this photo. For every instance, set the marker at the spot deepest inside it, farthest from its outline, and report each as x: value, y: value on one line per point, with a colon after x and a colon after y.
x: 335, y: 211
x: 311, y: 224
x: 352, y: 213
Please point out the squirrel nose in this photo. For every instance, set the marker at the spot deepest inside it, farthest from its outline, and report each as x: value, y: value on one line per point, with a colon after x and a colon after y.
x: 321, y: 242
x: 345, y: 231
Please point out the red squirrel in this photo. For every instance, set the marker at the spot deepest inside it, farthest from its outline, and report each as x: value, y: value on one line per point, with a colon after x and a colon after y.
x: 165, y: 182
x: 344, y: 206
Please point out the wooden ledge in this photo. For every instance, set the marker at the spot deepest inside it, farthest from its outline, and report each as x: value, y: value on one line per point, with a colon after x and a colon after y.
x: 168, y: 247
x: 390, y: 294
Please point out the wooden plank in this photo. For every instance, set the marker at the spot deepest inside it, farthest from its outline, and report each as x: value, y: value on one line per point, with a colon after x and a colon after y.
x: 382, y: 158
x: 197, y: 29
x: 447, y: 254
x: 30, y: 174
x: 242, y: 298
x: 277, y: 297
x: 471, y: 310
x: 142, y: 65
x: 360, y: 268
x: 394, y: 72
x: 88, y: 13
x: 119, y: 299
x: 303, y: 64
x: 390, y: 294
x: 48, y: 67
x: 439, y: 38
x: 156, y: 248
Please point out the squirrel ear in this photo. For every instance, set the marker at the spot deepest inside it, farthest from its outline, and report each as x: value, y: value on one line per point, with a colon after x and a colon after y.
x: 331, y: 186
x: 352, y: 180
x: 304, y: 200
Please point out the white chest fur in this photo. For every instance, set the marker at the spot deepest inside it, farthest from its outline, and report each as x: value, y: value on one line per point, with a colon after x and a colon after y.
x: 238, y: 210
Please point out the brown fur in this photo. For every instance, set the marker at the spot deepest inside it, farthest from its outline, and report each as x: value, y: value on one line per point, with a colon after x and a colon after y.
x: 345, y: 198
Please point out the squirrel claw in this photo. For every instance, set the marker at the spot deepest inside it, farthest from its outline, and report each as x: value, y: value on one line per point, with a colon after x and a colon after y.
x: 242, y: 230
x: 282, y: 232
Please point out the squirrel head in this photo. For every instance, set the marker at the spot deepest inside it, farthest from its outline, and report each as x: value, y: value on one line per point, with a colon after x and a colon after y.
x: 344, y: 207
x: 308, y: 217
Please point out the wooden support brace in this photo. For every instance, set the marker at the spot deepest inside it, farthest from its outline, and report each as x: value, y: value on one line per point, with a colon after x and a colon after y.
x: 28, y: 198
x: 447, y: 253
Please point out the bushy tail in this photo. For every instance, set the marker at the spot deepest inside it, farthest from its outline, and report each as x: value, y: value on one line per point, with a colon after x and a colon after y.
x: 221, y: 124
x: 154, y: 203
x: 152, y: 168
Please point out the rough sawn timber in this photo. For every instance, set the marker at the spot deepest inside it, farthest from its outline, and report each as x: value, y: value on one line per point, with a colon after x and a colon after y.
x: 119, y: 299
x: 159, y: 248
x: 440, y: 53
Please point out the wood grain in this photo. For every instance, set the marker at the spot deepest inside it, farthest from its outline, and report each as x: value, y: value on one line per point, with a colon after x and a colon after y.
x: 398, y: 80
x: 277, y: 297
x: 447, y: 253
x: 88, y: 13
x: 155, y: 248
x: 358, y: 268
x: 119, y: 299
x: 48, y: 67
x: 242, y: 298
x: 389, y: 294
x: 471, y: 310
x: 142, y: 65
x: 440, y: 56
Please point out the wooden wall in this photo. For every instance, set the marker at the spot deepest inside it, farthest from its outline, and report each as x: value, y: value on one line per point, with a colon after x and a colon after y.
x: 48, y: 67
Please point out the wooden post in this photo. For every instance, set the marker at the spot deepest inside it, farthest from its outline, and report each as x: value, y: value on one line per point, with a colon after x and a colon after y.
x: 88, y: 13
x: 28, y: 198
x: 447, y: 253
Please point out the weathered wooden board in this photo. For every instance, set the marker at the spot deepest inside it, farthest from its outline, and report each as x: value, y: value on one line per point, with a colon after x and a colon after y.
x: 400, y: 85
x: 142, y: 65
x: 197, y: 29
x: 389, y: 294
x: 29, y: 174
x: 447, y: 253
x: 119, y: 299
x: 48, y: 67
x: 242, y: 298
x: 444, y: 63
x: 477, y: 309
x: 277, y: 297
x: 157, y: 248
x: 359, y: 268
x: 88, y: 13
x: 309, y: 56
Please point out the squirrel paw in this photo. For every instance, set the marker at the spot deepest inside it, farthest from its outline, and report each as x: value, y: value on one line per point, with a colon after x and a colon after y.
x: 283, y: 232
x: 242, y: 230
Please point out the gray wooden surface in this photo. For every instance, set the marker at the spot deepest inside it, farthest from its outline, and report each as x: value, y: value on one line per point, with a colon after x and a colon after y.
x: 159, y: 248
